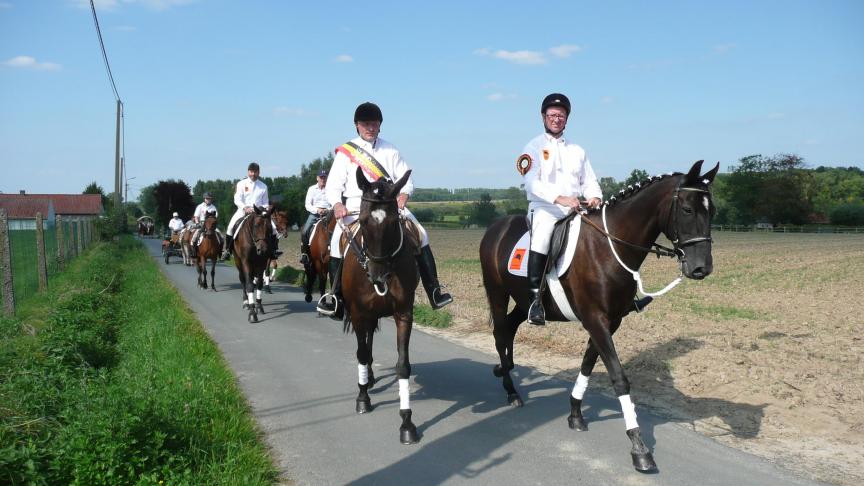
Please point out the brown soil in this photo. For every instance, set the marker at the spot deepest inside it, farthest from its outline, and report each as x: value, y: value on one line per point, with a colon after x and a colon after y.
x: 765, y: 355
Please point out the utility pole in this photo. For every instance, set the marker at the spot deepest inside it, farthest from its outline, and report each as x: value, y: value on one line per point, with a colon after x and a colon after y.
x: 117, y: 175
x: 126, y: 196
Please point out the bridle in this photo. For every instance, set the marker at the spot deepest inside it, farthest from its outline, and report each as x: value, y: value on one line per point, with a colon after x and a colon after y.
x: 672, y: 230
x: 364, y: 256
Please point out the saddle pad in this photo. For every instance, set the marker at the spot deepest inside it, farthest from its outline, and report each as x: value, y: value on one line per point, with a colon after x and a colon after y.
x: 312, y: 233
x: 239, y: 223
x: 517, y: 264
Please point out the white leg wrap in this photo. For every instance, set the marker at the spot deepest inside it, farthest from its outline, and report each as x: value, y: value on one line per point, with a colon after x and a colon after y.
x: 258, y: 294
x: 580, y: 387
x: 404, y: 395
x: 362, y: 374
x: 251, y: 298
x: 266, y: 278
x: 629, y: 412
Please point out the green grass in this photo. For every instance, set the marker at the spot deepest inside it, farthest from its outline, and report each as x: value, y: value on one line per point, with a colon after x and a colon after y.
x: 725, y: 312
x: 110, y: 379
x: 424, y: 315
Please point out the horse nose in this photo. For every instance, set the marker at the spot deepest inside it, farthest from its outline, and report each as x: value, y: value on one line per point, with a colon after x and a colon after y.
x: 699, y: 273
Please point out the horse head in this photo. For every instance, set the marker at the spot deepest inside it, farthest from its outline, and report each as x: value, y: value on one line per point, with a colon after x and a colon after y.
x: 280, y: 219
x: 688, y: 225
x: 261, y: 228
x: 380, y: 226
x: 209, y: 224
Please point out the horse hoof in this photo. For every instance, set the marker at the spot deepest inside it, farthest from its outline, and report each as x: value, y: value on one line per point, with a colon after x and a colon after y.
x: 245, y: 306
x: 253, y: 317
x: 364, y: 406
x: 515, y: 400
x: 577, y: 423
x: 308, y: 298
x: 496, y: 370
x: 644, y: 462
x: 408, y: 434
x: 267, y: 289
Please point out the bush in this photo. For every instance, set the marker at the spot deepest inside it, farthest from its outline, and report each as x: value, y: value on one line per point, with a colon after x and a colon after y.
x: 424, y: 215
x: 848, y: 215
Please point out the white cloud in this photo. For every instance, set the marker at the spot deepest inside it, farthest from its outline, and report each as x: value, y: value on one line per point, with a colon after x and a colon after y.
x: 27, y: 62
x: 344, y: 58
x: 520, y: 57
x: 289, y: 111
x: 564, y: 50
x: 724, y: 48
x: 500, y: 96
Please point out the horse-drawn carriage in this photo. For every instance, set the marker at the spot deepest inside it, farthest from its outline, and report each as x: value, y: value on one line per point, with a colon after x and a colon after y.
x: 146, y: 227
x: 171, y: 246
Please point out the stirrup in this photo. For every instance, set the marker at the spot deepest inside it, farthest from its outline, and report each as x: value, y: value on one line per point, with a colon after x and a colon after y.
x: 542, y: 314
x: 327, y: 311
x: 442, y: 298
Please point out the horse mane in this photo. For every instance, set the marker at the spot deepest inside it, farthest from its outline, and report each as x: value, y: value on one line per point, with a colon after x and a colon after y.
x: 630, y: 190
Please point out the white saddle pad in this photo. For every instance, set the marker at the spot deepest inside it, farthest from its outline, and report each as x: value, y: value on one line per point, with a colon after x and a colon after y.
x: 517, y: 264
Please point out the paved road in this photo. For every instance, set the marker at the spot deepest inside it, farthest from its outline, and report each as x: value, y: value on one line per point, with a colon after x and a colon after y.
x: 299, y: 373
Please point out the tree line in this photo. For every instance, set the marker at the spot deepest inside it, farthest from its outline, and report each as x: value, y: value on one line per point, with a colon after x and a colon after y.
x: 777, y: 189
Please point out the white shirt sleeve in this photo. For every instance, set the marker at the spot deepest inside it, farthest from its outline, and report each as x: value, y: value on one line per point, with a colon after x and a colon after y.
x: 337, y: 179
x: 399, y: 170
x: 590, y: 186
x: 310, y: 199
x: 238, y: 196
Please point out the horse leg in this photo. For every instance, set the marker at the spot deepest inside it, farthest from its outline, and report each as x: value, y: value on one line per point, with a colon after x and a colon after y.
x: 364, y: 354
x: 407, y: 431
x: 309, y: 273
x: 259, y: 283
x: 243, y: 288
x: 369, y: 336
x: 601, y: 336
x: 576, y: 421
x: 504, y: 331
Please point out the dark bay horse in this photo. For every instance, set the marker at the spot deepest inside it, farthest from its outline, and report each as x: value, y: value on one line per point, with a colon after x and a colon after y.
x: 379, y: 277
x: 599, y: 289
x: 251, y: 254
x: 280, y: 221
x: 209, y: 249
x: 319, y: 255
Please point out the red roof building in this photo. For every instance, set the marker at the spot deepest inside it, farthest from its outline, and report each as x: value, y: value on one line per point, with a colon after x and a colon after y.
x: 21, y: 209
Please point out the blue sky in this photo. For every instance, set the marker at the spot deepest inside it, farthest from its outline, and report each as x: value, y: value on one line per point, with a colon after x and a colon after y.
x: 210, y: 85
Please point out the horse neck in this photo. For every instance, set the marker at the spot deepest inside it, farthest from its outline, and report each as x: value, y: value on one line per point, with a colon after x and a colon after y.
x: 639, y: 220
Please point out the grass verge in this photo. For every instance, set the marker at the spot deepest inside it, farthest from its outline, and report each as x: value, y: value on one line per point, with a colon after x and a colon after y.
x: 110, y: 379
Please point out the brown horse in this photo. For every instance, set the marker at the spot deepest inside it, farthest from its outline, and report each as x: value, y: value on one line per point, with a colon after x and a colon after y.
x: 251, y: 254
x: 186, y: 247
x: 280, y: 220
x: 597, y: 287
x: 319, y: 255
x: 379, y: 277
x: 209, y: 249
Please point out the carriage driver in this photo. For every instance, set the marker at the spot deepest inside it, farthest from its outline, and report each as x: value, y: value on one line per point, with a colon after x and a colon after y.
x: 248, y: 193
x: 317, y: 205
x: 556, y: 173
x: 176, y: 224
x: 200, y: 215
x: 343, y: 182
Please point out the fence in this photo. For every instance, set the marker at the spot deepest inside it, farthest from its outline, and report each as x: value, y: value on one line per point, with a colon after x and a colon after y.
x: 29, y: 257
x: 812, y: 228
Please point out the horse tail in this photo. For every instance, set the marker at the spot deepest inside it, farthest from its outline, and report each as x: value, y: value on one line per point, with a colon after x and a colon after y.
x: 347, y: 328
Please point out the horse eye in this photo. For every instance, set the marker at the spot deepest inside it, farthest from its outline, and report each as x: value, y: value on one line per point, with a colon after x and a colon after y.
x: 688, y: 210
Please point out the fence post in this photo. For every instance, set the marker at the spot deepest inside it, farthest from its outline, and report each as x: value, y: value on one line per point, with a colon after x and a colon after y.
x: 41, y: 264
x: 6, y: 266
x: 58, y: 225
x: 78, y: 230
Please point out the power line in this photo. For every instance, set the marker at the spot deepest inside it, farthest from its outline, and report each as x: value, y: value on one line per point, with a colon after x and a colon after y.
x: 104, y: 55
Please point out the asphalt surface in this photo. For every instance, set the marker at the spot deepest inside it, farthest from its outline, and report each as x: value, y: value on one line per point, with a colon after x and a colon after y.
x: 299, y: 374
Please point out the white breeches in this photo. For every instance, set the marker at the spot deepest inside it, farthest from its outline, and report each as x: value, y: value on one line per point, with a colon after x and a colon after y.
x: 335, y: 251
x: 237, y: 215
x: 543, y: 218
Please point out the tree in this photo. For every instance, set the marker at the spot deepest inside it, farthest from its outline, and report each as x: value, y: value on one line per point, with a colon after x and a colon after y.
x: 94, y: 188
x: 483, y: 211
x: 638, y: 175
x: 770, y: 189
x: 172, y: 195
x: 610, y: 187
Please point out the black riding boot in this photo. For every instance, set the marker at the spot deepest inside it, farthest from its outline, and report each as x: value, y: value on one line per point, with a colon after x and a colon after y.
x: 429, y: 277
x: 229, y: 243
x: 274, y: 247
x: 536, y: 267
x: 304, y: 254
x: 331, y: 304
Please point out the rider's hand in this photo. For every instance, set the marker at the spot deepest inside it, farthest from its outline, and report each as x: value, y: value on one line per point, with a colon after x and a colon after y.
x: 401, y: 200
x: 322, y: 211
x: 567, y: 201
x: 594, y: 202
x: 248, y: 209
x: 339, y: 210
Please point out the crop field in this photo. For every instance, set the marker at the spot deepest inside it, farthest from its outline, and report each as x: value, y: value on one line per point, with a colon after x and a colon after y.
x: 764, y: 355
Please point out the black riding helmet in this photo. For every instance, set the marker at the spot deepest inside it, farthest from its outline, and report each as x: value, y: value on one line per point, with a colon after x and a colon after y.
x: 555, y: 99
x: 368, y: 112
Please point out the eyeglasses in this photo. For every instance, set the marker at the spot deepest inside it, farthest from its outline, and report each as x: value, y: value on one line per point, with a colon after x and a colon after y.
x: 555, y: 116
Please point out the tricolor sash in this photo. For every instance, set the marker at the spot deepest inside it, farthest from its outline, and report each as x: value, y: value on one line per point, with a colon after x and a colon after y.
x: 364, y: 160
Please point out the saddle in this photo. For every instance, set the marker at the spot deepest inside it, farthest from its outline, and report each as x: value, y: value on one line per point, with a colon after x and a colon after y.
x: 558, y: 243
x: 562, y: 247
x: 239, y: 223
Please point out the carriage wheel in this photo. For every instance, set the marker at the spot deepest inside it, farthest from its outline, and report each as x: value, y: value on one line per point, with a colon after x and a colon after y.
x: 167, y: 255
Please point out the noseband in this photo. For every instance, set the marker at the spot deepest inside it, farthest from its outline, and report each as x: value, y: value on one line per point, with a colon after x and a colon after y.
x: 672, y: 223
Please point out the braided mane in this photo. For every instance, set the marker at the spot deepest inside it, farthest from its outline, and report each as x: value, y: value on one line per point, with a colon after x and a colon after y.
x: 629, y: 191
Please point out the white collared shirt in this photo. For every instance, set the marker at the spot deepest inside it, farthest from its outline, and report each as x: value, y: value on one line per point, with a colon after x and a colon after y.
x: 342, y: 179
x: 176, y: 224
x: 248, y: 194
x: 316, y: 198
x: 202, y: 209
x: 559, y: 168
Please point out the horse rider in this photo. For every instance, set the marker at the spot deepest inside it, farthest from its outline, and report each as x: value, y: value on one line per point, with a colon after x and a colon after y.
x: 343, y: 183
x: 317, y: 205
x: 200, y: 215
x: 248, y: 193
x: 175, y: 224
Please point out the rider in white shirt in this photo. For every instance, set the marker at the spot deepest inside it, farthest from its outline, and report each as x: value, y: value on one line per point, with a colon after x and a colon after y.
x: 317, y: 205
x: 248, y: 193
x: 200, y: 215
x: 342, y: 182
x: 175, y: 224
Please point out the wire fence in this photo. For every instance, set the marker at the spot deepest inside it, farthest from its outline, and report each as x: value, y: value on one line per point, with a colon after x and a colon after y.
x: 810, y: 228
x: 32, y: 251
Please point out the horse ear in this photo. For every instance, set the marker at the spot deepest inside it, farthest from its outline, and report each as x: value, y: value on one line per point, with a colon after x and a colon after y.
x: 709, y: 176
x: 693, y: 175
x: 400, y: 183
x: 362, y: 182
